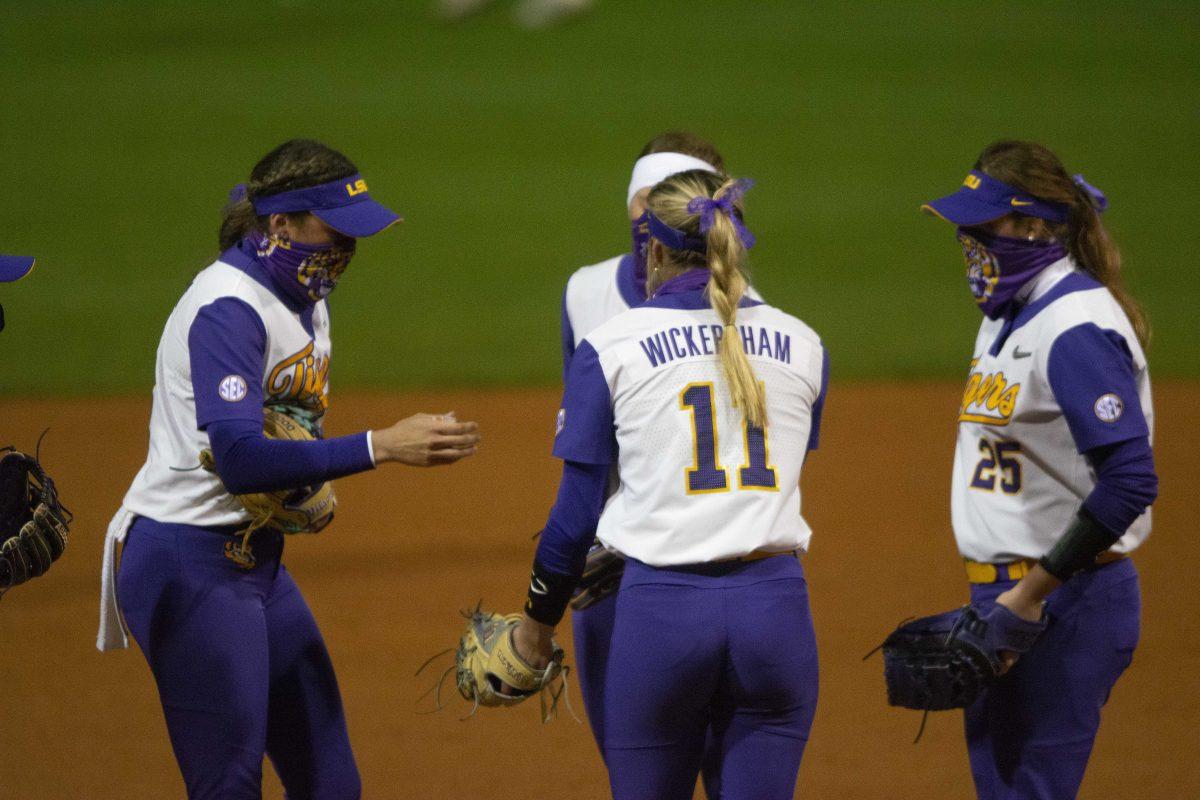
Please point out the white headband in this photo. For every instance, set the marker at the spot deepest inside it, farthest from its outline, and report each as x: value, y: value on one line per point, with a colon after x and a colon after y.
x: 657, y: 167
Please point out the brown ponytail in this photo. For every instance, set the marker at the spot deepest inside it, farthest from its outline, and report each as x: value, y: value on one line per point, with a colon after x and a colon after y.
x: 725, y: 260
x: 294, y: 164
x: 1037, y: 170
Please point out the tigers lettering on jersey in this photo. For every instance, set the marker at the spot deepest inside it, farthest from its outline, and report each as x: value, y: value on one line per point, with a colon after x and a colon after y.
x: 685, y: 341
x: 300, y: 379
x: 989, y: 398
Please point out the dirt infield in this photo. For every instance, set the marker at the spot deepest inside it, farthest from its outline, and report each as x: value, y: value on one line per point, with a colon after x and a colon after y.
x: 410, y: 548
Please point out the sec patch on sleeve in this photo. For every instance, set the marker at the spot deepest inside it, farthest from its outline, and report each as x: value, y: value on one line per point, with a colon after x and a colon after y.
x: 1108, y: 407
x: 232, y: 388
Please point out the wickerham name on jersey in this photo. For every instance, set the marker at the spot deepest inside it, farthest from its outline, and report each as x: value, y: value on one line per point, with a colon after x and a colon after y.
x: 687, y: 341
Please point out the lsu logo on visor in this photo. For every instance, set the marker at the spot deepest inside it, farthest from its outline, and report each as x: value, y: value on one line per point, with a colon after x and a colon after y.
x: 988, y: 399
x: 983, y: 272
x: 971, y: 181
x: 356, y: 188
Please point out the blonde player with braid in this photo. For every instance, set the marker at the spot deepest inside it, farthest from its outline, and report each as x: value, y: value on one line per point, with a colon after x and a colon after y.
x: 706, y: 401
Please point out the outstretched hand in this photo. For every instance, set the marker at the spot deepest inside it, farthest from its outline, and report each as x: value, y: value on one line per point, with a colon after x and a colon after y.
x: 426, y: 440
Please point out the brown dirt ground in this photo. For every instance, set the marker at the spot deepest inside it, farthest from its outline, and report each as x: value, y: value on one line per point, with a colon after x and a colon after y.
x: 412, y: 547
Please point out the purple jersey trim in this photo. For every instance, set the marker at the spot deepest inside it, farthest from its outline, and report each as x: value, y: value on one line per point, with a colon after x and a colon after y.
x: 814, y: 433
x: 627, y: 284
x: 1126, y: 483
x: 247, y: 461
x: 686, y: 293
x: 586, y: 431
x: 227, y: 350
x: 1074, y: 282
x: 564, y: 542
x: 568, y: 337
x: 1019, y: 316
x: 1091, y: 374
x: 243, y: 257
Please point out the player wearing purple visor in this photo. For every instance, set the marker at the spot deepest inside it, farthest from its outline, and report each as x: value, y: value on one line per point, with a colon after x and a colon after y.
x: 1053, y: 472
x: 13, y: 268
x: 241, y: 668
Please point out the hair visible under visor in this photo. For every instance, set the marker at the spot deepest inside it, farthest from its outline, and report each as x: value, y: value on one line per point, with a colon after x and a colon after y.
x: 1035, y: 169
x: 295, y: 164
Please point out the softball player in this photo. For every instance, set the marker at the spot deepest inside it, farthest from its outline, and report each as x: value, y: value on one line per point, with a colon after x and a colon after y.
x: 240, y: 665
x: 13, y: 268
x: 1053, y: 471
x: 594, y: 295
x: 705, y: 401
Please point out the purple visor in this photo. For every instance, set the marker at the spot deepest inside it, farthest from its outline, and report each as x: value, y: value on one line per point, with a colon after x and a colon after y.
x: 982, y: 198
x: 343, y: 205
x: 13, y: 268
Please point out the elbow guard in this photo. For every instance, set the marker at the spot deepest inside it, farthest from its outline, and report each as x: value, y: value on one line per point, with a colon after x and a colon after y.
x: 1078, y: 547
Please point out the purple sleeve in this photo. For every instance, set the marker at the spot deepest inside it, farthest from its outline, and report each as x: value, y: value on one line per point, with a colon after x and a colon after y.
x: 1091, y: 374
x: 247, y: 461
x: 568, y: 337
x: 1126, y: 483
x: 227, y: 347
x: 563, y: 545
x: 814, y: 433
x: 585, y: 429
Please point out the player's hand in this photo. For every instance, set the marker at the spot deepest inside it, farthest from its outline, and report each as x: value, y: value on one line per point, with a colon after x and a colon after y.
x: 1021, y: 602
x: 534, y: 643
x: 426, y: 440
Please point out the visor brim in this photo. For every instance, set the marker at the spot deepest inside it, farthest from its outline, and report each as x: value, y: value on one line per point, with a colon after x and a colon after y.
x: 13, y: 268
x: 358, y: 220
x: 964, y: 209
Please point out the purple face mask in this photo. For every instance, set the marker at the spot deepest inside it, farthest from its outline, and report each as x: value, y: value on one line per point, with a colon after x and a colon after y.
x: 998, y: 266
x: 640, y: 228
x: 306, y: 272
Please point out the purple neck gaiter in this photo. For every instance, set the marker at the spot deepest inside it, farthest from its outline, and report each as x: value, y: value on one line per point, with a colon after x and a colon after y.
x: 640, y: 229
x: 306, y: 273
x: 998, y: 266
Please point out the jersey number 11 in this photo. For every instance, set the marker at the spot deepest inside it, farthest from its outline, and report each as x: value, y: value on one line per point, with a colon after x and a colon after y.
x: 706, y: 474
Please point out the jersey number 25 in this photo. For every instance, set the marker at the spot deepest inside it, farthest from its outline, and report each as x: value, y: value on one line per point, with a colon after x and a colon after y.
x: 998, y: 461
x: 706, y: 473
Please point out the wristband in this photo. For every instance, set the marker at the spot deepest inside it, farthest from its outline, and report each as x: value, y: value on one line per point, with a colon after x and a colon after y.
x: 1084, y: 539
x: 549, y: 593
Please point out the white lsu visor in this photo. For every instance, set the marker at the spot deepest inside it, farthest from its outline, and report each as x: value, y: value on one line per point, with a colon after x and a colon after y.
x: 657, y: 167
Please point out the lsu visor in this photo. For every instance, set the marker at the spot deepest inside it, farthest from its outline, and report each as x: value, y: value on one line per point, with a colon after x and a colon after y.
x: 982, y: 198
x: 344, y: 205
x: 13, y: 268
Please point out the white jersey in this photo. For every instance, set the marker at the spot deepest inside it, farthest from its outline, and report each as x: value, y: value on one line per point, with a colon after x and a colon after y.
x: 171, y: 487
x: 1035, y: 400
x: 646, y: 391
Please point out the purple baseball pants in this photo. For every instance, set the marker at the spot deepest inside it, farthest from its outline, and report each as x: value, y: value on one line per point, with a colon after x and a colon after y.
x: 1029, y: 737
x: 241, y: 668
x: 727, y: 647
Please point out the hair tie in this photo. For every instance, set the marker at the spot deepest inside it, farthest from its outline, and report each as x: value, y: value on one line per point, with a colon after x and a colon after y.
x: 707, y: 208
x: 1097, y: 198
x: 237, y: 193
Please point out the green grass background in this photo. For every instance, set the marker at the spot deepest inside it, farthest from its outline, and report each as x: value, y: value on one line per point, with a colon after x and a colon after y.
x: 124, y: 124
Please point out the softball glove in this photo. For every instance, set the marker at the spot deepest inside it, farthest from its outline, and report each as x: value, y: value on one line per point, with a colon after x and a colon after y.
x: 33, y: 523
x: 947, y: 660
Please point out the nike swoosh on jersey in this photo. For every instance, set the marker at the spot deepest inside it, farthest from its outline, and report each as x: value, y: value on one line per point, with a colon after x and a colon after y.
x: 1018, y: 353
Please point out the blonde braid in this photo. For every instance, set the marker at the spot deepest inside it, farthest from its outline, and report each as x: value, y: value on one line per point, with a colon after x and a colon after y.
x: 725, y: 260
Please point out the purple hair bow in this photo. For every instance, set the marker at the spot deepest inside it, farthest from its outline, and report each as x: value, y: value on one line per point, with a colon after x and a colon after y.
x: 1099, y: 200
x: 707, y: 208
x: 237, y: 193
